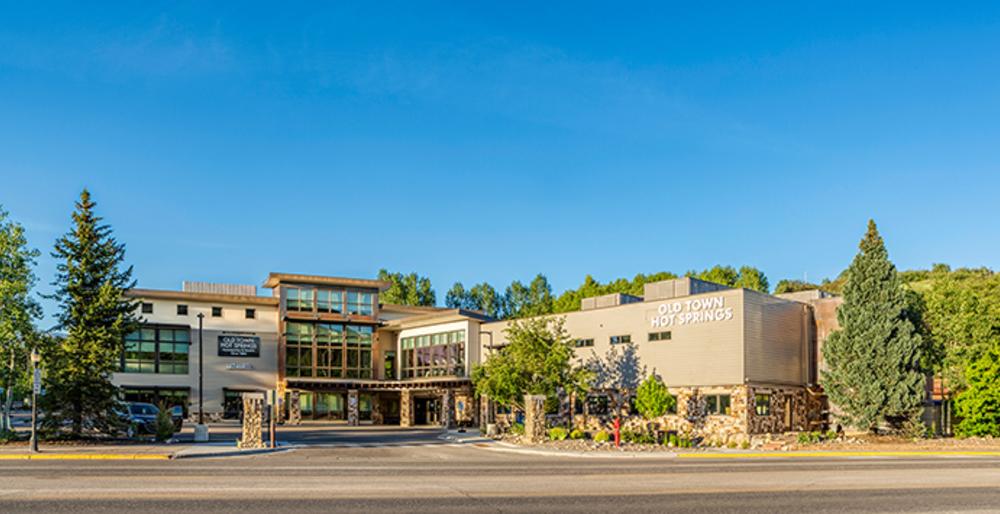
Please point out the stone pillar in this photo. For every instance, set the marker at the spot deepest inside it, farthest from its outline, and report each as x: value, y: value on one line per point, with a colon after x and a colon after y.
x: 253, y: 421
x: 448, y: 409
x: 534, y: 417
x: 294, y: 408
x: 406, y: 408
x: 353, y: 417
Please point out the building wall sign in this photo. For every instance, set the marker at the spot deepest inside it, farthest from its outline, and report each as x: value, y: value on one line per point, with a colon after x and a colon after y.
x: 692, y: 312
x: 239, y: 346
x: 239, y: 366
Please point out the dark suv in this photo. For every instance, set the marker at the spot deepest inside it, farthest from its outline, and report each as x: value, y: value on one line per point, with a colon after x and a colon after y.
x: 140, y: 418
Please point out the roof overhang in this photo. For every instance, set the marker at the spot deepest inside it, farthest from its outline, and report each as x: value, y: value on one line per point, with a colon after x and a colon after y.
x: 161, y: 294
x: 275, y: 279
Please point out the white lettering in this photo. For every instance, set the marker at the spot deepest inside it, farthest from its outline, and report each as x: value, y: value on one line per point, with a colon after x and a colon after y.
x: 689, y: 312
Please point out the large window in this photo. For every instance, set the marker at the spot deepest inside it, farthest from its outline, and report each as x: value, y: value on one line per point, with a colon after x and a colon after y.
x: 334, y: 301
x: 299, y: 299
x: 157, y: 350
x: 298, y: 349
x: 341, y: 351
x: 328, y: 300
x: 433, y: 355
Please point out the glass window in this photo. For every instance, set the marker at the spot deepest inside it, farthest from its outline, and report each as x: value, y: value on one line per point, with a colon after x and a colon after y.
x: 251, y: 313
x: 360, y: 303
x: 299, y: 299
x: 584, y: 343
x: 157, y: 350
x: 762, y: 404
x: 328, y: 300
x: 147, y: 308
x: 182, y: 310
x: 659, y: 336
x: 216, y: 312
x: 433, y: 355
x: 621, y: 339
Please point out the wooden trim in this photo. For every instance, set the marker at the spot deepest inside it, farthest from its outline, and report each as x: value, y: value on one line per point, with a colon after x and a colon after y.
x: 160, y: 294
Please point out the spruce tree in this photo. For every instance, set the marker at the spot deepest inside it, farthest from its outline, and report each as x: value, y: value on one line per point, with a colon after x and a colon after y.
x: 873, y: 361
x: 95, y: 315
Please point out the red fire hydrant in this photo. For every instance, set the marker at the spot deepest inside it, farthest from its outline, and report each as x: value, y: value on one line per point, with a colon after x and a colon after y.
x: 618, y: 433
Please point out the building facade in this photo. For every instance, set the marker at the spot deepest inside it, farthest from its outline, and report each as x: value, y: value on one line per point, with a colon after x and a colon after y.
x: 739, y: 362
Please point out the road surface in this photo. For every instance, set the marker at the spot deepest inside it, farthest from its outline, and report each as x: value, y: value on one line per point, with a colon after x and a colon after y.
x: 375, y: 471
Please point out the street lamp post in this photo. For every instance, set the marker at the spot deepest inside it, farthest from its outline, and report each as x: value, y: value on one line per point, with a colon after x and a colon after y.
x: 201, y: 369
x: 201, y: 430
x: 35, y: 385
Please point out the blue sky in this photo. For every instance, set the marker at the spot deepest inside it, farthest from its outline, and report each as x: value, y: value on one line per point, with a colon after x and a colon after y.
x: 480, y: 143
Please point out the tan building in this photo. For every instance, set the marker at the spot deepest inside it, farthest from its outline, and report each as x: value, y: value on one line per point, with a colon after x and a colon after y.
x: 740, y: 362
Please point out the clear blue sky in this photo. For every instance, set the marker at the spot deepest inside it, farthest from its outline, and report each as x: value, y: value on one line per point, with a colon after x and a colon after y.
x: 492, y: 143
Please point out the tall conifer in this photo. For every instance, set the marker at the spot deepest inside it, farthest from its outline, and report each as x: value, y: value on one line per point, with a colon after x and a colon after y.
x: 95, y: 316
x: 874, y: 375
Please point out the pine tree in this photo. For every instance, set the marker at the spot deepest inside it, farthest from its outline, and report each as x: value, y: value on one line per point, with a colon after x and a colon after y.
x: 874, y: 373
x: 95, y: 316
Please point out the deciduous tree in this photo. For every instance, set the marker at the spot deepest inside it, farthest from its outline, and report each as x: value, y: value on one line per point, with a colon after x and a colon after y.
x: 18, y: 311
x: 408, y: 289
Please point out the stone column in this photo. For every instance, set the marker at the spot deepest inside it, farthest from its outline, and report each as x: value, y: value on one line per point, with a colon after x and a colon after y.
x: 534, y: 417
x: 294, y: 408
x: 353, y: 417
x: 253, y: 421
x: 406, y: 408
x: 448, y: 409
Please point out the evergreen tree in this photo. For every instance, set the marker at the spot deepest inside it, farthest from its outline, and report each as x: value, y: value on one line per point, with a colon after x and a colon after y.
x: 874, y: 373
x: 95, y: 315
x: 18, y: 311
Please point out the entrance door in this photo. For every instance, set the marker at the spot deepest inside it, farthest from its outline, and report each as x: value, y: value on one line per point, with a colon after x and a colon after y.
x: 425, y: 411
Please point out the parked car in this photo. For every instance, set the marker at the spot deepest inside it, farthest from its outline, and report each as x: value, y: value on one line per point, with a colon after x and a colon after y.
x: 139, y: 418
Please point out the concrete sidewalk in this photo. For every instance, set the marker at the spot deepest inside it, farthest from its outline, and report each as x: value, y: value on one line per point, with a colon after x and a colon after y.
x: 131, y: 451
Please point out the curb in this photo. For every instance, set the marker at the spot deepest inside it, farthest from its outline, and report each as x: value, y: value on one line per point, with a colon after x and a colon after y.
x: 838, y: 454
x: 234, y: 453
x: 86, y: 456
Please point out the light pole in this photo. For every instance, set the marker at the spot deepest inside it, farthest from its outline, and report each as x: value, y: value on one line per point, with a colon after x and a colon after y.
x: 200, y: 430
x: 201, y: 369
x: 35, y: 386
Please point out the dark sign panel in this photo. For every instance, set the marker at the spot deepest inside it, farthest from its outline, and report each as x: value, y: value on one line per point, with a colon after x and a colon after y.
x: 239, y: 346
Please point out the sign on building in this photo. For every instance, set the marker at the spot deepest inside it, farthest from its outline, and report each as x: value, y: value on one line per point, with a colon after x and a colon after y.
x: 239, y: 346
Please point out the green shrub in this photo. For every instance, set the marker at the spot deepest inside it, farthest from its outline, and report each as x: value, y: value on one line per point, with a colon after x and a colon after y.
x: 602, y: 437
x: 831, y: 435
x: 673, y: 440
x: 8, y: 436
x: 558, y: 434
x: 652, y: 399
x: 745, y: 445
x: 164, y: 424
x: 517, y: 429
x: 978, y: 406
x: 577, y: 434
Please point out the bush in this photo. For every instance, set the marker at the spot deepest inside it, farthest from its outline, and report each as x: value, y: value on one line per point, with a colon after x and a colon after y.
x: 8, y: 436
x: 164, y: 424
x: 602, y: 437
x: 577, y: 434
x: 558, y: 434
x: 517, y: 429
x: 652, y: 399
x: 745, y: 445
x: 672, y: 440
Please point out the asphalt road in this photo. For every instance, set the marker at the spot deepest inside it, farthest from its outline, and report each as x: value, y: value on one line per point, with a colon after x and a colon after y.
x: 418, y: 472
